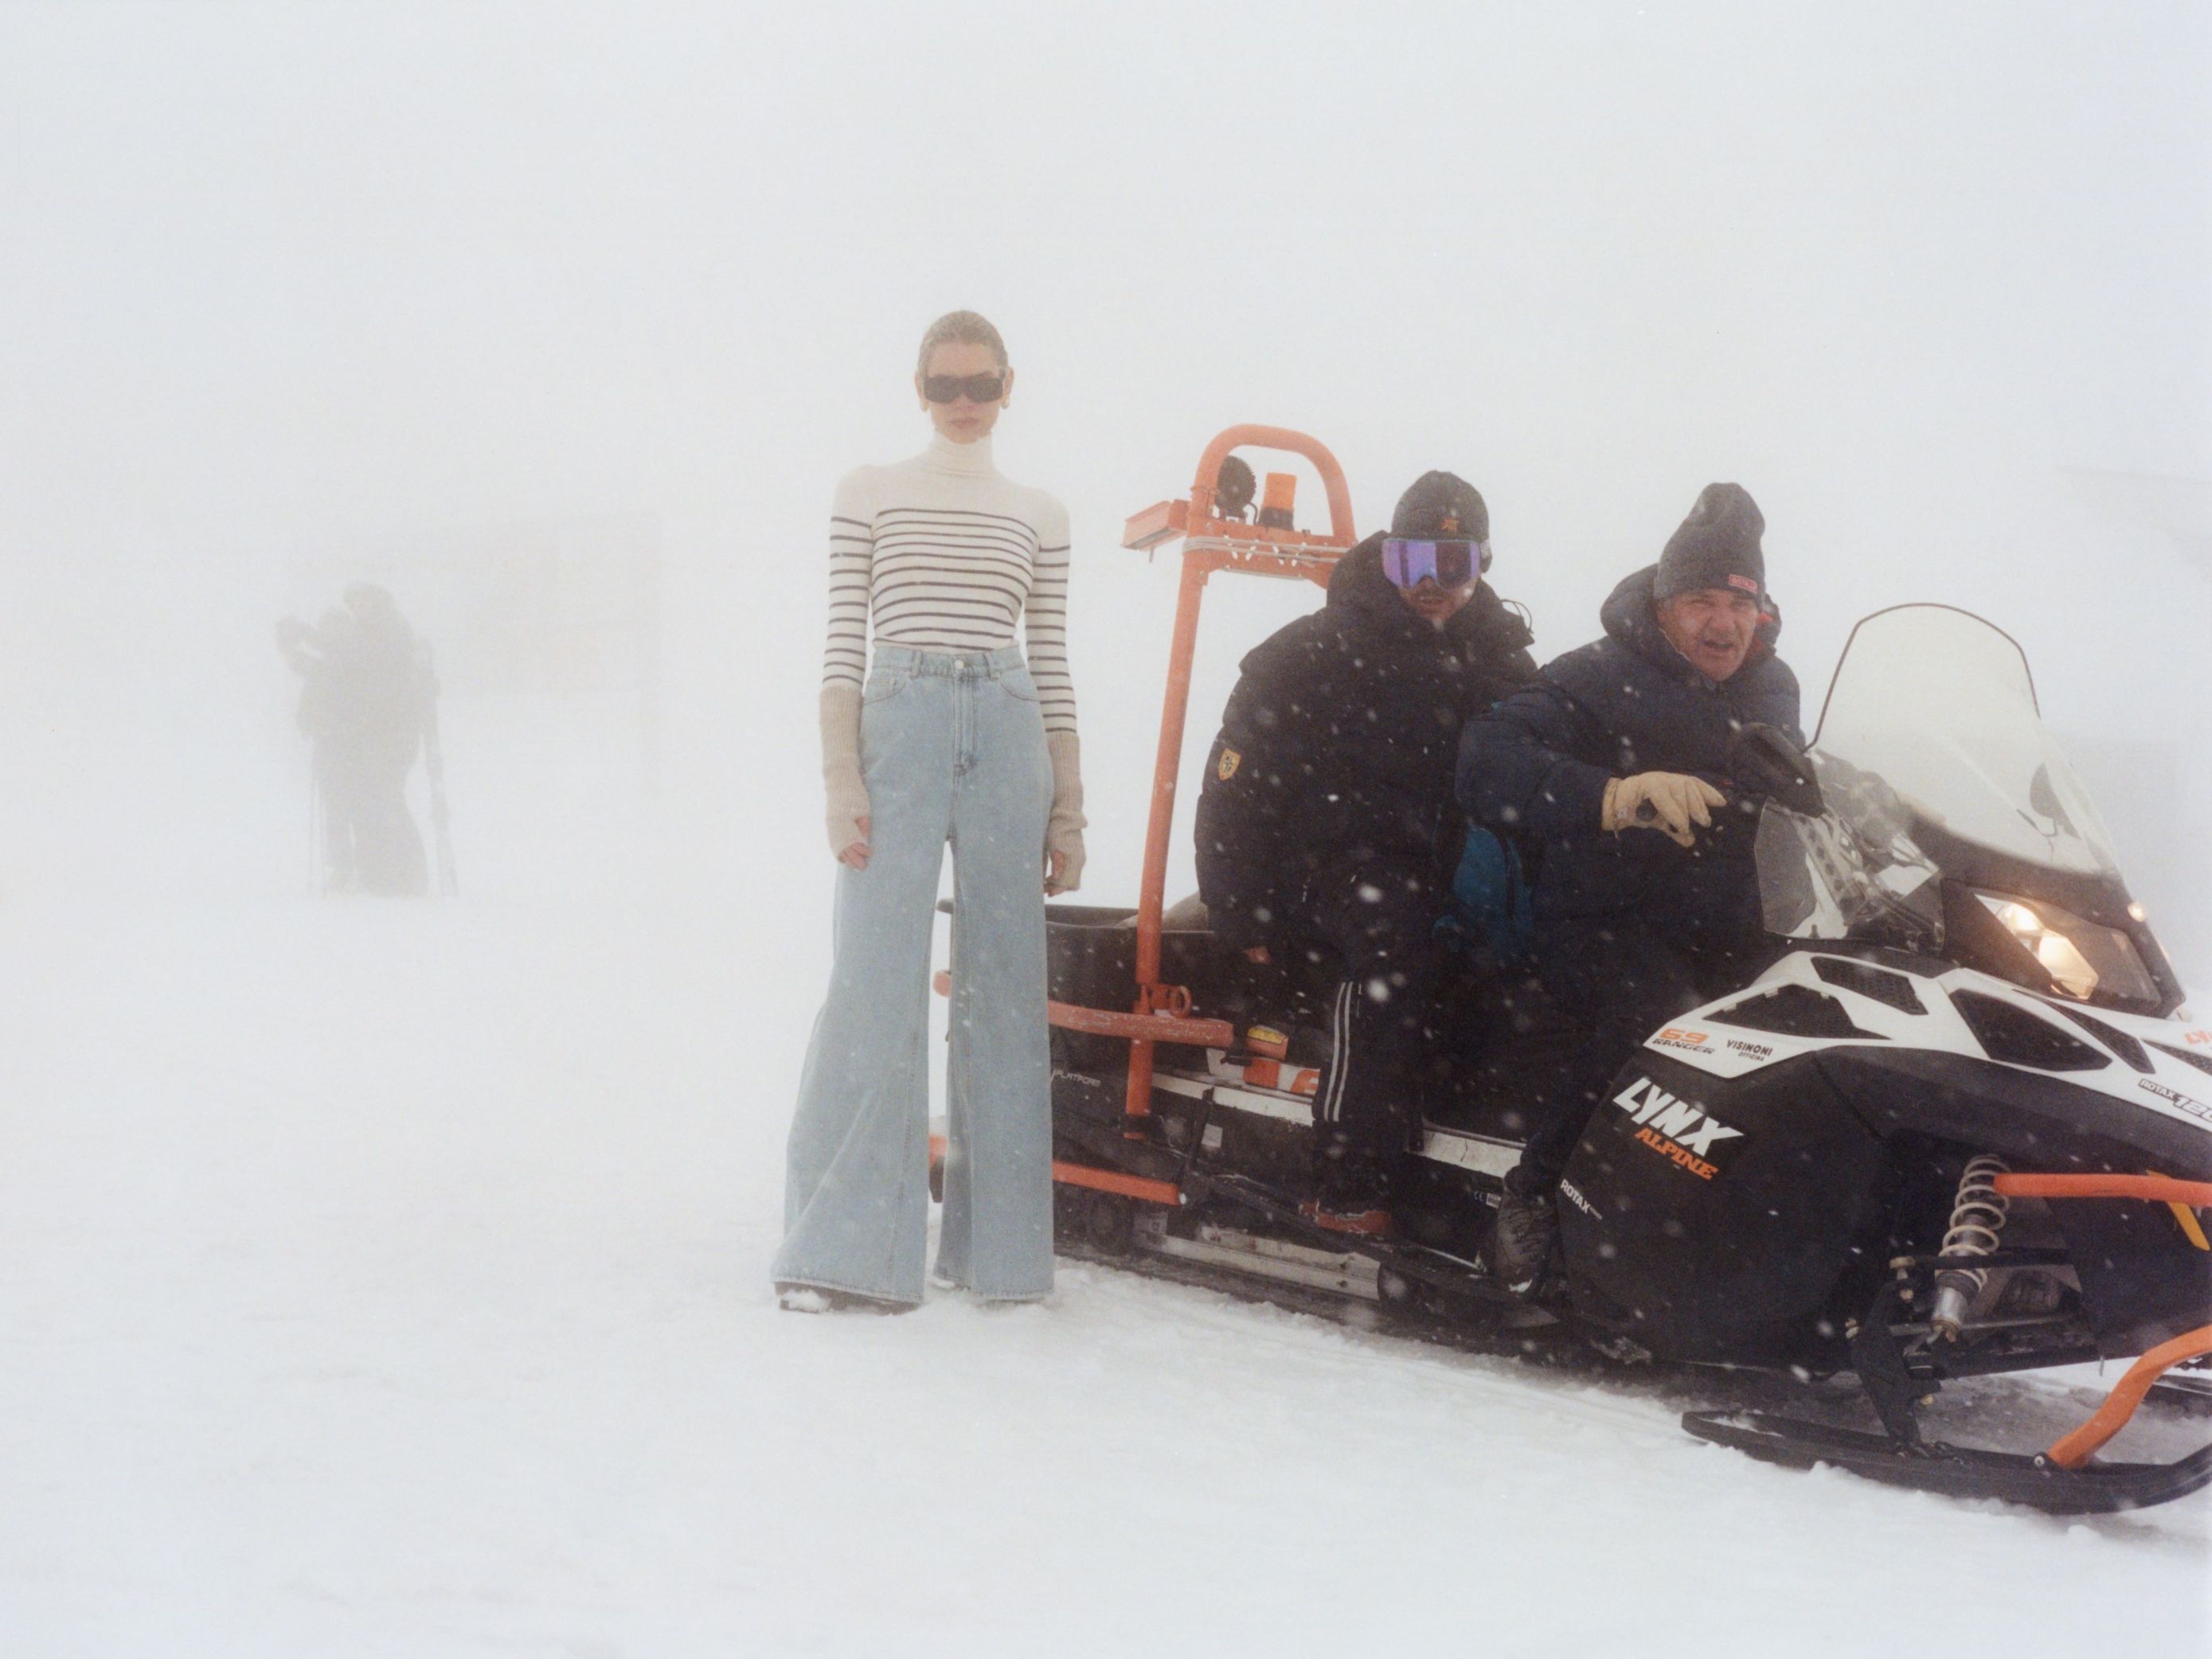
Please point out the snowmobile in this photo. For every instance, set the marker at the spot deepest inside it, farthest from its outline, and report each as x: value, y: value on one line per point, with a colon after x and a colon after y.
x: 1961, y: 1125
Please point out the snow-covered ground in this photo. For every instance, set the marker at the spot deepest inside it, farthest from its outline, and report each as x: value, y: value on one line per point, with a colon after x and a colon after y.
x: 389, y: 1279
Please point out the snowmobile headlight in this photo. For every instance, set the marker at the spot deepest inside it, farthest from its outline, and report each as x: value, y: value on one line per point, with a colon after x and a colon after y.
x: 2078, y: 955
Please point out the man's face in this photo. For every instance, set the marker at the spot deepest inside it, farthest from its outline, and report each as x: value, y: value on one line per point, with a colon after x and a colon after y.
x: 1711, y: 626
x: 1436, y: 604
x: 1424, y: 572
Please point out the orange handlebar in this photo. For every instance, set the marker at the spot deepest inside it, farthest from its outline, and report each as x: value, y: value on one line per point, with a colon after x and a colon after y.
x: 1294, y: 443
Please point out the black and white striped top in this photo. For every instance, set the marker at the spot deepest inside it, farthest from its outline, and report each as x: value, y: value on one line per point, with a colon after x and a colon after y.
x: 942, y: 553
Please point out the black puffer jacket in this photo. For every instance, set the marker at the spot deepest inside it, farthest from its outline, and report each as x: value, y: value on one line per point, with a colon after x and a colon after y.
x: 1337, y: 745
x: 1536, y: 767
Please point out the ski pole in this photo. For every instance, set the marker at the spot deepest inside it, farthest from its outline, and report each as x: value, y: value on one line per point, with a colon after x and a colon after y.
x: 434, y: 765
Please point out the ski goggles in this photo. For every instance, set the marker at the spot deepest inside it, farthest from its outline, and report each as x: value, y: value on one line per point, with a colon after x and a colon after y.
x: 976, y: 388
x: 1409, y: 563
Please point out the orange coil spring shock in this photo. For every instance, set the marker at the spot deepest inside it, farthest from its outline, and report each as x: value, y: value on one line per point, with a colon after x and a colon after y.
x: 1977, y: 1218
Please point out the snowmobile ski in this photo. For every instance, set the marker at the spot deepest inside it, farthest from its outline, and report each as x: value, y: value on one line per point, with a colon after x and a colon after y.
x: 1955, y: 1471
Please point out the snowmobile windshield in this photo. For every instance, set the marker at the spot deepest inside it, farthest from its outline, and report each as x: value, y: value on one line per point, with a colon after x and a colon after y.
x: 1938, y: 705
x: 1933, y: 764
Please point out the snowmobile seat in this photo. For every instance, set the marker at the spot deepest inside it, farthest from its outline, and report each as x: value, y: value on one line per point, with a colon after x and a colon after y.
x: 1498, y: 1041
x: 1187, y: 915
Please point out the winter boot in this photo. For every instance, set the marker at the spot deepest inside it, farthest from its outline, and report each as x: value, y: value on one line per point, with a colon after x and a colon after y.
x: 812, y: 1298
x: 1354, y: 1197
x: 1521, y: 1239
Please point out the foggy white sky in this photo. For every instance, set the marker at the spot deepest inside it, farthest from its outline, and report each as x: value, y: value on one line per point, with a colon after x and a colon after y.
x: 276, y: 274
x: 271, y: 265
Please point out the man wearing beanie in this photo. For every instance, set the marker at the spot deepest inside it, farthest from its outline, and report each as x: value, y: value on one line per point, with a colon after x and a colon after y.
x: 1325, y: 831
x: 1612, y: 770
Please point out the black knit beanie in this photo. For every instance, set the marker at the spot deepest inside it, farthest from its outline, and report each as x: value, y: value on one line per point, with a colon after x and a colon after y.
x: 1717, y: 546
x: 1440, y: 506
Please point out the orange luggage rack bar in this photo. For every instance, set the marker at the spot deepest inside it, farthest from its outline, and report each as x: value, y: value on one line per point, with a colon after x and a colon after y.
x: 1105, y: 1181
x: 1112, y: 1022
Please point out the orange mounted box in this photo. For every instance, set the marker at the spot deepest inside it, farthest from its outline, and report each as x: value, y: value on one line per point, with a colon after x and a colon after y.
x: 1162, y: 521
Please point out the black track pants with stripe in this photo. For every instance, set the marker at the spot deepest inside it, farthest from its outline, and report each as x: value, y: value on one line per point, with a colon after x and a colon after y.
x: 1379, y: 919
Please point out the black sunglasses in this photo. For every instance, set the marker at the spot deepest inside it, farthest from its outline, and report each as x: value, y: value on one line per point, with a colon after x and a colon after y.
x: 977, y: 388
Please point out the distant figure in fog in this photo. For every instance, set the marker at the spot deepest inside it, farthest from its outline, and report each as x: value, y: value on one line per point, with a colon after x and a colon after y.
x: 315, y: 654
x: 366, y: 697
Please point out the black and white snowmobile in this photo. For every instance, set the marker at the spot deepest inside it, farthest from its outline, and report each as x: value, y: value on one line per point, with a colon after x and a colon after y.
x: 1956, y: 1129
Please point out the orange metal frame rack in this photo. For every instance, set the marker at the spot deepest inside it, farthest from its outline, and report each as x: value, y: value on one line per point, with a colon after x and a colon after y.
x: 1160, y: 1012
x: 1210, y: 542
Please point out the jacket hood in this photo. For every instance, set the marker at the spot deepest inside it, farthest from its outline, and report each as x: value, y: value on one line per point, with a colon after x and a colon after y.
x: 1483, y: 626
x: 1629, y: 615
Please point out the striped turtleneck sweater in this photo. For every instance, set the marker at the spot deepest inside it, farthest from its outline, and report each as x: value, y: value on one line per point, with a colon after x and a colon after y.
x: 944, y: 553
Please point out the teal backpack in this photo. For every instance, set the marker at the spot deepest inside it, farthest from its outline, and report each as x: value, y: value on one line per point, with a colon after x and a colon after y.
x: 1491, y: 899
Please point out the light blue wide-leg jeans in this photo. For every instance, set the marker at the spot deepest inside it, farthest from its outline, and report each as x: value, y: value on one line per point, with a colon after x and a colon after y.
x: 952, y: 749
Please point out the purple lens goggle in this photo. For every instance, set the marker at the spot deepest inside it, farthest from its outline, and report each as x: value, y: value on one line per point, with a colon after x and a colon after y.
x: 1408, y: 563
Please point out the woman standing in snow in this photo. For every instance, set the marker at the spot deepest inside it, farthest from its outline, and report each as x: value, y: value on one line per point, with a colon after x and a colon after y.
x: 948, y: 736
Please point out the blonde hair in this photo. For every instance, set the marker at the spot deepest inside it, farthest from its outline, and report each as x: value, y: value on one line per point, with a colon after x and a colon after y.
x: 960, y: 328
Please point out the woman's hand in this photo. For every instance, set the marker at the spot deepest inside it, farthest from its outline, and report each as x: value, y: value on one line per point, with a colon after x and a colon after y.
x: 845, y: 804
x: 856, y: 855
x: 1063, y: 829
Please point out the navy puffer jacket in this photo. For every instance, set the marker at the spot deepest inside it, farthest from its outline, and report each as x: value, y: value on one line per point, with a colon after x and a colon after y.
x: 1535, y: 767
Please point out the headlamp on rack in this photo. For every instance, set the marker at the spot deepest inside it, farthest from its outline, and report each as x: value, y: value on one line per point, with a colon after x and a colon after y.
x: 1234, y: 487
